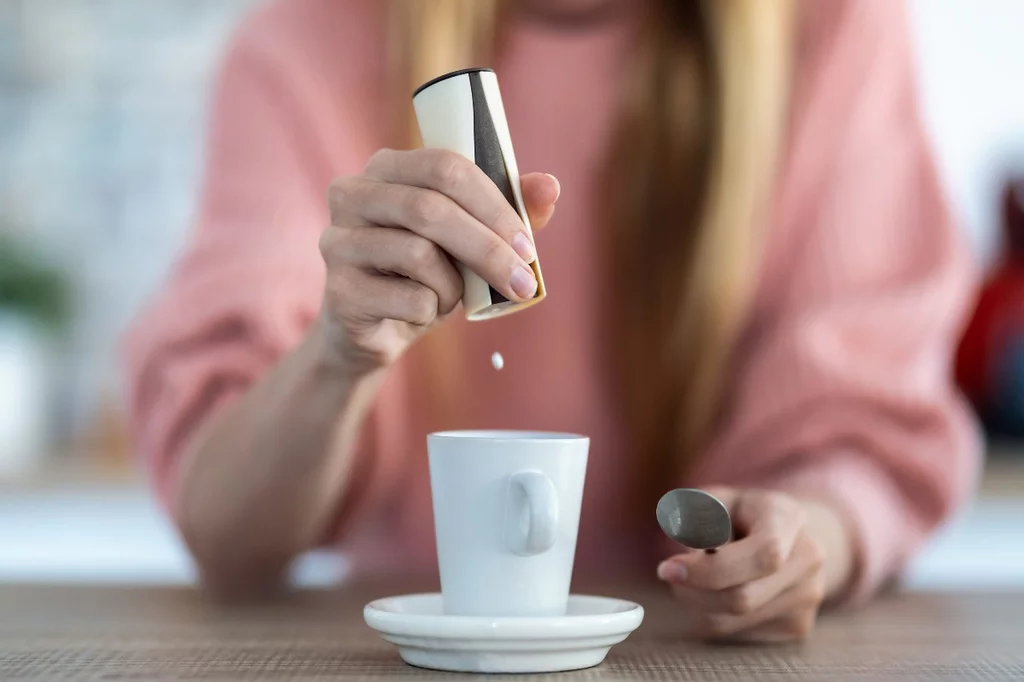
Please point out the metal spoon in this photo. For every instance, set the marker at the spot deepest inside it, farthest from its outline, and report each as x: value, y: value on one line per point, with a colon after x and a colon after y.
x: 694, y: 519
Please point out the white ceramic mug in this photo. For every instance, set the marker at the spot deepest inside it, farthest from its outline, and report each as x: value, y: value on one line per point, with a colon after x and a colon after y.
x: 506, y: 514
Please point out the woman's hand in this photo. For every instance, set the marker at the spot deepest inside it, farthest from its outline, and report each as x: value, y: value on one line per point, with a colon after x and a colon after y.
x: 768, y: 584
x: 394, y: 232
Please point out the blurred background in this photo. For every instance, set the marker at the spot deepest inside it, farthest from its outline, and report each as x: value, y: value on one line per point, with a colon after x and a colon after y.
x: 102, y: 106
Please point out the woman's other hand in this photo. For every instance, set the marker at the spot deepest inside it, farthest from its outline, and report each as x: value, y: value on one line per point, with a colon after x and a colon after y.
x: 395, y: 233
x: 769, y: 584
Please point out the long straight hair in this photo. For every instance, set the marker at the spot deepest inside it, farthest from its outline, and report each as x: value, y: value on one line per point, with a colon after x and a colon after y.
x: 695, y: 154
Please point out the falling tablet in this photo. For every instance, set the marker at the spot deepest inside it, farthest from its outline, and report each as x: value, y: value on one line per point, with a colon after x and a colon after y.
x: 497, y: 361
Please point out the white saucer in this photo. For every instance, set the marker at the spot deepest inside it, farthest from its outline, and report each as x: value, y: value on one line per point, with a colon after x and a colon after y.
x: 426, y: 638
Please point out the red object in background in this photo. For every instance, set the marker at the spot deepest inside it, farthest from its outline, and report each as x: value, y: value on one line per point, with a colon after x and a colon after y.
x: 998, y: 321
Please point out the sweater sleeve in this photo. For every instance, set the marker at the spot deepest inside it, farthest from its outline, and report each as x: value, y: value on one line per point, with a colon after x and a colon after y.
x: 843, y: 388
x: 250, y: 280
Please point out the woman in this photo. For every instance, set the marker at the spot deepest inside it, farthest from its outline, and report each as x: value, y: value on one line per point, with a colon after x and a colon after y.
x: 754, y: 286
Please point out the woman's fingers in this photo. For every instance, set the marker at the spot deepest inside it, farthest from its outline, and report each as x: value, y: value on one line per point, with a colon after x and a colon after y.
x: 806, y: 560
x: 765, y: 586
x: 436, y: 217
x: 772, y: 523
x: 393, y: 235
x: 797, y: 602
x: 540, y: 192
x: 459, y: 179
x: 447, y: 199
x: 400, y: 252
x: 374, y: 297
x: 752, y: 596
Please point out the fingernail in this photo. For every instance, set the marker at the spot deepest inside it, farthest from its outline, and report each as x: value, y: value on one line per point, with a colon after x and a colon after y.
x: 523, y: 282
x: 524, y: 247
x: 672, y: 571
x: 558, y: 186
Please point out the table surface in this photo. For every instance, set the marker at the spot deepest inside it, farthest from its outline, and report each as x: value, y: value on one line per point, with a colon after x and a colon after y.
x: 78, y: 634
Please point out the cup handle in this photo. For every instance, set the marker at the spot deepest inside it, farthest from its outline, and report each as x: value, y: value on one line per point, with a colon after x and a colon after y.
x: 531, y: 513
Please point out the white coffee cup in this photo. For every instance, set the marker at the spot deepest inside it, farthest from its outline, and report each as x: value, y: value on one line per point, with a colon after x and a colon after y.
x: 506, y: 514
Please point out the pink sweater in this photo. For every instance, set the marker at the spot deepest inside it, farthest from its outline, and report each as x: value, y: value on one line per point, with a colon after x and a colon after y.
x: 842, y: 387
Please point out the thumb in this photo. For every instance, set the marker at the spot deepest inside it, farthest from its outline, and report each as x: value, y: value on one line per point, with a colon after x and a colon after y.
x: 540, y: 192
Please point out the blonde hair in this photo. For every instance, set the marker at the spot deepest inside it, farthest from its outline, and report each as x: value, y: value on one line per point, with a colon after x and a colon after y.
x: 693, y: 166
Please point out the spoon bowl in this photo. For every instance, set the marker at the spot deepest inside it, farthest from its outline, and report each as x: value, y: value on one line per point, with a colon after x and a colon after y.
x: 694, y: 518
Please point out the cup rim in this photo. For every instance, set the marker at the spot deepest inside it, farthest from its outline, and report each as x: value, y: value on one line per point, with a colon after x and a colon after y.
x: 508, y: 435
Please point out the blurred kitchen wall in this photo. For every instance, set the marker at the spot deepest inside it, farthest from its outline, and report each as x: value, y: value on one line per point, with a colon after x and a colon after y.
x: 971, y: 55
x: 101, y: 121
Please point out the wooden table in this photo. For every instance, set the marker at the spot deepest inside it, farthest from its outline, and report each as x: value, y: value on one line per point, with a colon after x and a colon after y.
x: 92, y: 634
